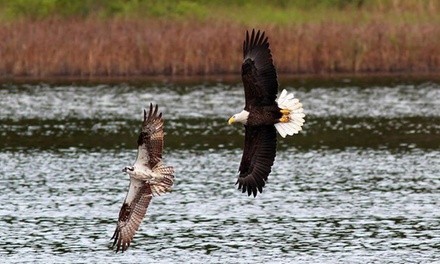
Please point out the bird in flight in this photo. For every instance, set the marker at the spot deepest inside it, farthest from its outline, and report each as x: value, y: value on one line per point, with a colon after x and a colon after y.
x: 263, y: 114
x: 148, y: 177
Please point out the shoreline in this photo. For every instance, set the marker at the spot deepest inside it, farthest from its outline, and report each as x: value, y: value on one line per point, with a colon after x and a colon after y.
x: 283, y: 79
x: 115, y: 48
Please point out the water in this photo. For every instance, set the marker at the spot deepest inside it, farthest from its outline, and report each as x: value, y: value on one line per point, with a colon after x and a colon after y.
x: 360, y: 184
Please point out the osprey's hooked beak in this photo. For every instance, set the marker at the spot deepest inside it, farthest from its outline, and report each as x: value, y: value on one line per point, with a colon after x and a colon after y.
x: 126, y: 169
x: 231, y: 120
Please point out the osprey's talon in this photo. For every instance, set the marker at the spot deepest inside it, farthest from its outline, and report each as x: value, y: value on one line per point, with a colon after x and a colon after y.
x: 148, y: 179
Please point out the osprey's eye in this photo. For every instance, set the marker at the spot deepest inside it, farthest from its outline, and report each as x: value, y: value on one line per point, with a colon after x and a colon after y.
x: 131, y: 168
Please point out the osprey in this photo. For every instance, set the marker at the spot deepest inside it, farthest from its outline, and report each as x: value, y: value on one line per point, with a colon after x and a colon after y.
x: 263, y: 114
x: 148, y: 177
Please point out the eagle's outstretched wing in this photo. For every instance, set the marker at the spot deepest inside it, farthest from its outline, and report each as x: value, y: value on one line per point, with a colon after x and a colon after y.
x: 258, y: 157
x: 150, y: 141
x: 258, y: 72
x: 131, y: 214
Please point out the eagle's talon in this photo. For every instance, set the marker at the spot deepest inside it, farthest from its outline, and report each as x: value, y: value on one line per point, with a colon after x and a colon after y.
x: 262, y: 120
x: 284, y: 119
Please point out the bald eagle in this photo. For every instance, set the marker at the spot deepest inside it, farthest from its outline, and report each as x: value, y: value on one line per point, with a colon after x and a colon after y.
x: 148, y: 177
x: 263, y: 114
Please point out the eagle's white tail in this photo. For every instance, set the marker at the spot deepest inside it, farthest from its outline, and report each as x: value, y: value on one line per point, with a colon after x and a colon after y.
x: 164, y: 180
x: 293, y: 118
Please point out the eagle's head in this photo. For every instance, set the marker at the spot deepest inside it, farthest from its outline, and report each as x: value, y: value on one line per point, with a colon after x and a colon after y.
x: 241, y: 117
x: 128, y: 169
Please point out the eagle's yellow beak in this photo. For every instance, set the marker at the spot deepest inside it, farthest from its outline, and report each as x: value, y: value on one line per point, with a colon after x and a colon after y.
x: 231, y: 120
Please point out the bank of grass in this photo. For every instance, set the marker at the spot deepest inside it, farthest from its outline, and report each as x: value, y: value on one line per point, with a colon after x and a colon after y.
x: 262, y: 10
x: 242, y: 11
x: 130, y: 38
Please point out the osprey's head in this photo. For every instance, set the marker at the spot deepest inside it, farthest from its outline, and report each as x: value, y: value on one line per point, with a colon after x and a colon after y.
x: 241, y: 117
x: 128, y: 169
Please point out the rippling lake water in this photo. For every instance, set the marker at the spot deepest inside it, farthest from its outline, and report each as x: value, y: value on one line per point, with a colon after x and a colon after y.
x: 360, y: 184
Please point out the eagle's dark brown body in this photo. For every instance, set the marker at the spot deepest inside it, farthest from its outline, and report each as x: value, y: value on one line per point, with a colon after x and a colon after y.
x: 260, y: 88
x: 263, y: 115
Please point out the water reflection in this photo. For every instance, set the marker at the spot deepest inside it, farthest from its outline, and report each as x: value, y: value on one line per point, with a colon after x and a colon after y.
x: 359, y: 184
x: 315, y: 204
x: 215, y: 101
x: 202, y: 134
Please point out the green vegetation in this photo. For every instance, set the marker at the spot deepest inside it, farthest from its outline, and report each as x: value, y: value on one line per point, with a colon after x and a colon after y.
x: 201, y: 37
x: 263, y: 11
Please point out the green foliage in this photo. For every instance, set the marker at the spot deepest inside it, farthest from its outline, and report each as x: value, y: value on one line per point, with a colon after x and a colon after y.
x: 27, y: 8
x: 272, y: 11
x: 44, y: 8
x: 153, y: 8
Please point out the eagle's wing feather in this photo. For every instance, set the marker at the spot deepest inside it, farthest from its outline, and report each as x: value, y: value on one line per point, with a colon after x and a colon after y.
x: 258, y: 72
x: 258, y: 157
x: 131, y: 214
x: 150, y: 141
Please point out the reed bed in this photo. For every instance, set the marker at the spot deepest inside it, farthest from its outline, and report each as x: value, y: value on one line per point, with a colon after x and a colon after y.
x: 123, y: 47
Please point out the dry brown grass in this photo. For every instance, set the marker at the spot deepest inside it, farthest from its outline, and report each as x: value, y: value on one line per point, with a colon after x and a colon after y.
x: 114, y: 47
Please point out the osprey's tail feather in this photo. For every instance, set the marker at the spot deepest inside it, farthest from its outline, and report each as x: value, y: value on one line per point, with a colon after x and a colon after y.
x: 293, y: 114
x: 164, y: 179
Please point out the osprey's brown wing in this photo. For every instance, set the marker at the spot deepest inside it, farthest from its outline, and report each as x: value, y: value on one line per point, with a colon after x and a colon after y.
x: 150, y: 141
x: 258, y: 72
x: 131, y: 214
x: 258, y: 157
